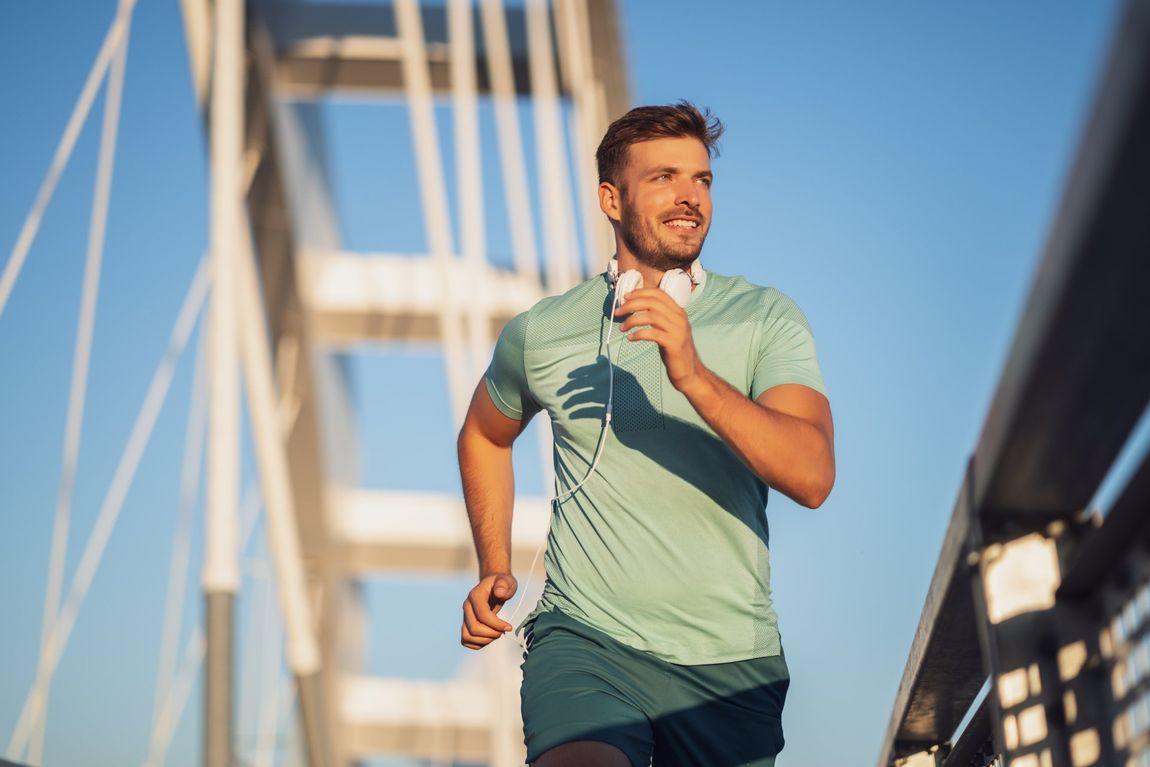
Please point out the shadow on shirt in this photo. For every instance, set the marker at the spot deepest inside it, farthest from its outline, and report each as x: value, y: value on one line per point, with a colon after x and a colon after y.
x: 692, y: 453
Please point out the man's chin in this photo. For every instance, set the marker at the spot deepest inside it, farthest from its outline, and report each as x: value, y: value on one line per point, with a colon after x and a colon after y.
x: 665, y: 261
x: 665, y: 255
x: 679, y: 257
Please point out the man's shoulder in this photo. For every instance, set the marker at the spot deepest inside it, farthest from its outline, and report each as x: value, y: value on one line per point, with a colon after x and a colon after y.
x: 738, y: 298
x: 593, y: 290
x: 579, y: 308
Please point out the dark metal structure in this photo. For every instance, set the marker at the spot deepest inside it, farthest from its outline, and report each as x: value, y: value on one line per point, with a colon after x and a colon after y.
x: 1034, y: 592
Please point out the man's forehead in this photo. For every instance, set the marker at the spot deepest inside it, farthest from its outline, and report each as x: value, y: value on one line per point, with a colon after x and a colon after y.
x: 684, y: 152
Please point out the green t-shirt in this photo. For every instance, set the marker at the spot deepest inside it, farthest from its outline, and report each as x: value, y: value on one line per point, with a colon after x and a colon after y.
x: 666, y: 546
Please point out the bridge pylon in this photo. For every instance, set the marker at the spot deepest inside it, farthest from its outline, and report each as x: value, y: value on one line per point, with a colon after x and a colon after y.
x: 297, y: 305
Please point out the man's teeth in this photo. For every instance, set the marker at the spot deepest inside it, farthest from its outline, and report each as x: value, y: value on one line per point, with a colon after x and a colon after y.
x: 683, y: 223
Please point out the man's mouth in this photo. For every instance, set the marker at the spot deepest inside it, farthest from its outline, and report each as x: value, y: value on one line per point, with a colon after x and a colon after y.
x: 682, y: 223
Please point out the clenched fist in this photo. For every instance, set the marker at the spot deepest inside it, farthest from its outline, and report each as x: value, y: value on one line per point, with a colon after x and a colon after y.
x: 481, y: 624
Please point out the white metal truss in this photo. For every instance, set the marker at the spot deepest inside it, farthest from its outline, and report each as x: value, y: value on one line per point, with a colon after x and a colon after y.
x: 288, y: 304
x: 562, y: 264
x: 469, y: 171
x: 501, y: 74
x: 312, y: 303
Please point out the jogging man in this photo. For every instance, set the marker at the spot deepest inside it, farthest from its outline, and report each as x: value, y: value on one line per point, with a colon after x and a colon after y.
x: 673, y: 409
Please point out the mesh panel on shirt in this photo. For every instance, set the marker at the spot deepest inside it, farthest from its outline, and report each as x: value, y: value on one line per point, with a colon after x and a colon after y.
x: 638, y: 388
x: 567, y: 324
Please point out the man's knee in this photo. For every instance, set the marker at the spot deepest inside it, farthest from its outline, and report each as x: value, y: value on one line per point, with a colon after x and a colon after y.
x: 583, y: 753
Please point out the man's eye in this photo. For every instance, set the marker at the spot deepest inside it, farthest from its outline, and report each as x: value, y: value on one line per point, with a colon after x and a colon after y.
x: 663, y: 177
x: 706, y: 182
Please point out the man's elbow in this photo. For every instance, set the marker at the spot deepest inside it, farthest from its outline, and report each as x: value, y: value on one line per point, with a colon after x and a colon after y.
x: 465, y: 439
x: 818, y: 488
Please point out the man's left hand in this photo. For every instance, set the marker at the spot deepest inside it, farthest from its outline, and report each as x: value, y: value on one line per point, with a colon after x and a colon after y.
x: 659, y: 319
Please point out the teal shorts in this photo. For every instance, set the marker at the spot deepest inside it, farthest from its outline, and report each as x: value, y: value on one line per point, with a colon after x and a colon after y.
x: 580, y: 684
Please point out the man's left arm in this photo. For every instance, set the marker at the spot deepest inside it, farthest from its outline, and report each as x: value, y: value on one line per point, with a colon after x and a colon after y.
x: 785, y: 435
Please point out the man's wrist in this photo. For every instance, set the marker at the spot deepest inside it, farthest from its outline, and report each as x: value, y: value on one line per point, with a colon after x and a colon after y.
x: 698, y: 386
x: 497, y: 568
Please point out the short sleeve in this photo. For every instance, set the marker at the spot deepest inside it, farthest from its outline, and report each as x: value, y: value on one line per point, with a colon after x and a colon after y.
x: 786, y: 353
x: 506, y: 376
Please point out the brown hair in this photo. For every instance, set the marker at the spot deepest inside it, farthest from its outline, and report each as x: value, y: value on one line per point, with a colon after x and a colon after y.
x: 646, y: 123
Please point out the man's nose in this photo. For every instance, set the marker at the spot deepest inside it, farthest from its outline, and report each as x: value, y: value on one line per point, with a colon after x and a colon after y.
x: 687, y: 193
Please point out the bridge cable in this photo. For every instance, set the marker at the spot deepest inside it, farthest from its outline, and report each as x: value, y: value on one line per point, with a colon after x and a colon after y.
x: 64, y: 151
x: 110, y: 509
x: 181, y: 548
x: 80, y: 364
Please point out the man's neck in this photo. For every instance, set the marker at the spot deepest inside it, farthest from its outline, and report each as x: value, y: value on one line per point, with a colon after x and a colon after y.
x: 627, y: 261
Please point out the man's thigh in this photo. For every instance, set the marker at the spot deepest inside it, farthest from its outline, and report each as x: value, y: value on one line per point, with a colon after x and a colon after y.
x: 582, y: 696
x: 583, y: 753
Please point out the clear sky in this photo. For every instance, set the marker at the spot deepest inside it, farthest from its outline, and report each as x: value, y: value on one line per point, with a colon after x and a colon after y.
x: 893, y: 166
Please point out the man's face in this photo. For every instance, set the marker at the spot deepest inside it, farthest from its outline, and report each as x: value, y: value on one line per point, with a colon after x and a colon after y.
x: 665, y: 201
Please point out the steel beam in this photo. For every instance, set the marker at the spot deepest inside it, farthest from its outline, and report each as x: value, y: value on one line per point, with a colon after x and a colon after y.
x: 1078, y: 373
x: 379, y: 531
x: 221, y: 548
x: 1077, y: 378
x: 219, y: 679
x: 1126, y: 524
x: 944, y: 670
x: 973, y: 746
x: 291, y: 207
x: 323, y: 49
x: 311, y: 52
x: 379, y: 298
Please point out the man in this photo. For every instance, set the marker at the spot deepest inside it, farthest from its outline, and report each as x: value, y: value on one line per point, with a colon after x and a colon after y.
x: 655, y: 637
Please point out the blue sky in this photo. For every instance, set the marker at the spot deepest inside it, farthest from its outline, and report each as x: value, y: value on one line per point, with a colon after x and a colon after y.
x: 893, y: 166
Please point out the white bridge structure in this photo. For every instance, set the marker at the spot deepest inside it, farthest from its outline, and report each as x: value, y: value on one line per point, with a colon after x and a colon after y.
x: 285, y: 305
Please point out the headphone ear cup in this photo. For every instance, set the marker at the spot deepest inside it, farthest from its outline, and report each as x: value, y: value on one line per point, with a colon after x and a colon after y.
x: 626, y: 282
x: 677, y: 284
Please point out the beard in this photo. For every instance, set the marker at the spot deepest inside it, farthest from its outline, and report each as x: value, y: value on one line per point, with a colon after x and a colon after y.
x: 654, y: 247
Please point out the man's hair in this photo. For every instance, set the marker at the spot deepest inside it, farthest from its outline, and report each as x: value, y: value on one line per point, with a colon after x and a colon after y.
x: 682, y: 119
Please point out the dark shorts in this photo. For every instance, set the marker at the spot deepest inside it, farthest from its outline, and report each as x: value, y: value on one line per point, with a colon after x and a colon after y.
x: 580, y: 684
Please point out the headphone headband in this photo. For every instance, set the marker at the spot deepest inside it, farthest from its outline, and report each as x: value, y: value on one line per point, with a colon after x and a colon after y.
x: 696, y: 273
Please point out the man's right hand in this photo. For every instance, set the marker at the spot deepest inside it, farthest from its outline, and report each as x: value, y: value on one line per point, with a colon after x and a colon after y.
x: 481, y: 625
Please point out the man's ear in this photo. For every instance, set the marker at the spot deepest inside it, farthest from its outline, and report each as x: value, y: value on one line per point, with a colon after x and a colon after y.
x: 610, y: 201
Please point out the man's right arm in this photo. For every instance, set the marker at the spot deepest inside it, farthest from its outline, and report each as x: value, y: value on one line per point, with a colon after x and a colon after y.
x: 489, y: 491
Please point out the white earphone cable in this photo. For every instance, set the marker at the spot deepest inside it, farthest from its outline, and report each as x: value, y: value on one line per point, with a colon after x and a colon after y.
x: 599, y: 448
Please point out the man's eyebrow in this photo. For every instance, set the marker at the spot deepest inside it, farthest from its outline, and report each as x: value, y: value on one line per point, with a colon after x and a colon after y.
x: 677, y: 169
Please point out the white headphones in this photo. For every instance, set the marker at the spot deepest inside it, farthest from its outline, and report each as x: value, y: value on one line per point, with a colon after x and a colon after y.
x: 676, y: 283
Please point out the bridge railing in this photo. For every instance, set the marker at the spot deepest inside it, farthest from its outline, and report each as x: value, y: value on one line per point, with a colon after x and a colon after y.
x: 1033, y: 647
